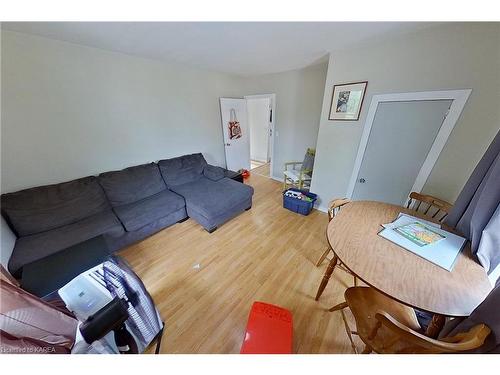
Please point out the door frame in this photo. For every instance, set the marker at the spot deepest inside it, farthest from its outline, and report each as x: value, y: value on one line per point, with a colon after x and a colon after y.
x: 272, y: 99
x: 459, y: 99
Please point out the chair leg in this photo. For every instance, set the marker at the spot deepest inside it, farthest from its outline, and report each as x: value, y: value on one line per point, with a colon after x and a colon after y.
x: 326, y: 276
x: 340, y: 306
x: 367, y: 350
x: 322, y: 257
x: 435, y: 326
x: 355, y: 280
x: 348, y: 330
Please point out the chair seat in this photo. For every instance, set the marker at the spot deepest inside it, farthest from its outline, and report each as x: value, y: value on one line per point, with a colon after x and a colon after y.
x: 387, y: 326
x: 360, y: 297
x: 294, y: 175
x: 365, y: 303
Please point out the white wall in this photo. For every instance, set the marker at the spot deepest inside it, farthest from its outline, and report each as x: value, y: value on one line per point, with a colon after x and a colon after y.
x: 299, y: 94
x: 7, y: 237
x: 258, y: 122
x: 450, y: 56
x: 69, y: 111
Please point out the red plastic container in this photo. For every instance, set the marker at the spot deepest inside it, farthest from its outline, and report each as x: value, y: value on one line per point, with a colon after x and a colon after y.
x: 269, y: 330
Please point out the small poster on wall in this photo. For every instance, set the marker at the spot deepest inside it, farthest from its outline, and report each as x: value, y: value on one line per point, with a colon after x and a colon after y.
x: 347, y: 100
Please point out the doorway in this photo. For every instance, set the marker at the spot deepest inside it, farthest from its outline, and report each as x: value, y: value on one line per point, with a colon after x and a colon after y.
x: 248, y: 132
x: 403, y: 137
x: 260, y: 124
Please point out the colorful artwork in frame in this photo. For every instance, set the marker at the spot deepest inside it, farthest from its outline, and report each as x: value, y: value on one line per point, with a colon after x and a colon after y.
x: 347, y: 100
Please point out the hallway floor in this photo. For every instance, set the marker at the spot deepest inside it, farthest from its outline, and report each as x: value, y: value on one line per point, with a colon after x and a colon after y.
x: 262, y: 169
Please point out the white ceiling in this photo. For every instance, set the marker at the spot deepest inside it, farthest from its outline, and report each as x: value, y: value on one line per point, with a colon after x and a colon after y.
x: 249, y: 48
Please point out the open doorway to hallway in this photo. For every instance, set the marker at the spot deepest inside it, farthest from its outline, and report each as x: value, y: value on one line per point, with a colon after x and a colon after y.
x: 248, y: 127
x: 260, y: 168
x: 260, y: 123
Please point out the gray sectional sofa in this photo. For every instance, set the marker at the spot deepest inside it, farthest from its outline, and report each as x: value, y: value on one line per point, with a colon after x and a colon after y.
x: 123, y: 206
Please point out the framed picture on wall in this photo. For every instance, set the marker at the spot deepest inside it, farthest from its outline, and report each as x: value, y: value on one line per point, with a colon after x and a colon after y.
x: 347, y: 100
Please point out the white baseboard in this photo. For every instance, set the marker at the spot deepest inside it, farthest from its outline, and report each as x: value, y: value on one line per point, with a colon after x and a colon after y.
x: 279, y: 179
x: 322, y: 209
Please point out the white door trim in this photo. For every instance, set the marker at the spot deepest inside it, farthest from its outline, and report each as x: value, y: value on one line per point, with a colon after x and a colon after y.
x: 459, y: 98
x: 272, y: 98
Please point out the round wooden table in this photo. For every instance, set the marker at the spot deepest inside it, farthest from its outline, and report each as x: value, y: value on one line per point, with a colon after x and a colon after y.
x: 398, y: 273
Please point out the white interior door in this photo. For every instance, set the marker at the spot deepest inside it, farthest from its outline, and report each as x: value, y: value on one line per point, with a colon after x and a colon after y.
x: 236, y: 133
x: 259, y: 123
x: 400, y: 139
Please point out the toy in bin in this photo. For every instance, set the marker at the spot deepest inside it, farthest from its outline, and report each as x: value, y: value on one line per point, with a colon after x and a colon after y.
x: 299, y: 201
x: 269, y: 330
x: 297, y: 195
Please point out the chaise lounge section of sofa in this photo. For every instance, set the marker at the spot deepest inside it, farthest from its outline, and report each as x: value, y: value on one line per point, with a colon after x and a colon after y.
x: 211, y: 198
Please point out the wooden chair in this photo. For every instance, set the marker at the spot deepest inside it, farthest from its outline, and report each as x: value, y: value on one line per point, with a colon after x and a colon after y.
x: 299, y: 176
x: 429, y: 205
x: 387, y: 326
x: 334, y: 207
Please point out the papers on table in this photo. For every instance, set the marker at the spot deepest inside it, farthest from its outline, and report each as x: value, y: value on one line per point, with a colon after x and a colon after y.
x: 425, y: 239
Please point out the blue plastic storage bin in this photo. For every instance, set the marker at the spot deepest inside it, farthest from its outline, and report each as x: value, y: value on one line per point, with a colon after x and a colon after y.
x: 297, y: 205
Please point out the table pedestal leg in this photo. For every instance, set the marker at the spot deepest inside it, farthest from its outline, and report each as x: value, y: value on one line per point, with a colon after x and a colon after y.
x: 326, y: 276
x: 435, y: 326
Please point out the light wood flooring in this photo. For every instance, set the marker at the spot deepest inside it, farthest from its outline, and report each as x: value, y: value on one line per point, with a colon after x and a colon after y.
x: 265, y: 254
x: 262, y: 170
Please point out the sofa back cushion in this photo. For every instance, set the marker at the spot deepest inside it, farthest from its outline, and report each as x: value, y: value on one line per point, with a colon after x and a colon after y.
x: 132, y: 184
x: 181, y: 170
x: 48, y: 207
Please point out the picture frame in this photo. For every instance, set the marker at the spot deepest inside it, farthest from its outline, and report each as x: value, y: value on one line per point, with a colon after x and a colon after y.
x: 347, y: 100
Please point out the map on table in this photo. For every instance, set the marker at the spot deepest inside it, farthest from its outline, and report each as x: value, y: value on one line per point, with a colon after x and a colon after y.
x: 425, y: 239
x: 419, y: 234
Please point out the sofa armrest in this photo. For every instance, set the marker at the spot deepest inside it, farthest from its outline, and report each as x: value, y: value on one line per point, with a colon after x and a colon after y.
x: 214, y: 173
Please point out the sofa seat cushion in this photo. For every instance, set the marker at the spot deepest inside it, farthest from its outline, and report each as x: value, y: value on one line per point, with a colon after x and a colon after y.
x: 37, y: 246
x: 214, y: 198
x: 48, y: 207
x: 182, y: 170
x: 138, y: 214
x: 132, y: 184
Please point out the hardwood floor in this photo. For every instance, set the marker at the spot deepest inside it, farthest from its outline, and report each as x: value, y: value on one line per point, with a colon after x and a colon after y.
x: 262, y: 170
x: 256, y: 163
x: 265, y: 254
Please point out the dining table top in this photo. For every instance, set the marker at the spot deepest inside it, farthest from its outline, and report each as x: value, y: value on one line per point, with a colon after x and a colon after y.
x: 401, y: 274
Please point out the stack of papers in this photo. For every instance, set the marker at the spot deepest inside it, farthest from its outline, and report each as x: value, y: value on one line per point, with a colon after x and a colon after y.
x: 425, y: 239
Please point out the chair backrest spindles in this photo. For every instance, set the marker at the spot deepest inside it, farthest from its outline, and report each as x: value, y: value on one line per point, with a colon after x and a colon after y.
x: 434, y: 207
x: 335, y: 205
